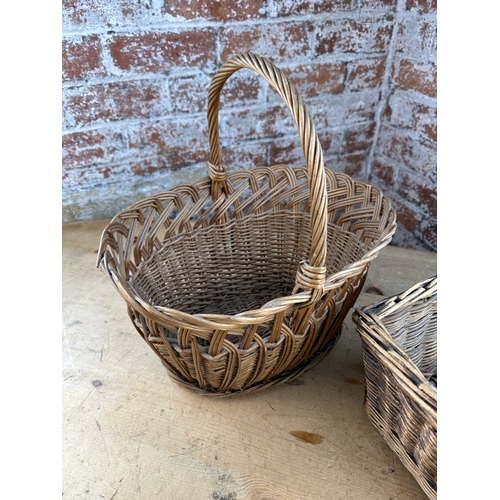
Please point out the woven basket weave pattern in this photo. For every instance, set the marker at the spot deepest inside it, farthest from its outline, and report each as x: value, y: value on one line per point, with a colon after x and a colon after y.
x: 242, y: 279
x: 399, y: 337
x: 209, y: 265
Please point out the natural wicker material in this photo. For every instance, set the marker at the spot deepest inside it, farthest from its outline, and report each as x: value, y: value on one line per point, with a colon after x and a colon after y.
x: 242, y: 279
x: 399, y: 337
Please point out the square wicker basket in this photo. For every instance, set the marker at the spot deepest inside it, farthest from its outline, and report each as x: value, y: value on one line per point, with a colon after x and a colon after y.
x: 399, y: 338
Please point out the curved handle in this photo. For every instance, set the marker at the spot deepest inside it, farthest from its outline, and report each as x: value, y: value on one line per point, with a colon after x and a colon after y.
x: 311, y: 274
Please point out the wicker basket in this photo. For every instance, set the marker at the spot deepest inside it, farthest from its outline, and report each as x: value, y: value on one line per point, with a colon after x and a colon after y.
x: 241, y: 280
x: 399, y: 337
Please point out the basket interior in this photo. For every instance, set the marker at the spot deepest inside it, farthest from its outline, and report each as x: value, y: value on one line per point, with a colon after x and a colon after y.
x: 238, y: 266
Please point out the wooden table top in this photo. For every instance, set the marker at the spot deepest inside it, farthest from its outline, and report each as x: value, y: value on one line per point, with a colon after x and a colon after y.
x: 130, y: 433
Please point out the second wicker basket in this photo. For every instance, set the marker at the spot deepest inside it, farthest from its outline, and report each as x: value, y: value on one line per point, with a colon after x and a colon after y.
x: 399, y: 338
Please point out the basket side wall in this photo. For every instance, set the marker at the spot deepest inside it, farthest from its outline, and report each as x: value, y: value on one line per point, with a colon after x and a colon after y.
x: 402, y: 419
x: 135, y: 86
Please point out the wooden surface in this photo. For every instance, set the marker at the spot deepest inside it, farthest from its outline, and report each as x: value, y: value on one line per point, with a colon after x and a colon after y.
x: 130, y: 433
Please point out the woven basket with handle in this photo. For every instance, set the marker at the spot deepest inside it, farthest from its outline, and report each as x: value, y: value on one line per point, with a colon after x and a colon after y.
x: 242, y: 279
x: 399, y: 337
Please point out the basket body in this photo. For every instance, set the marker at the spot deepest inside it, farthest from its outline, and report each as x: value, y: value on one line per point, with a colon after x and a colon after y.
x: 399, y: 337
x: 241, y: 280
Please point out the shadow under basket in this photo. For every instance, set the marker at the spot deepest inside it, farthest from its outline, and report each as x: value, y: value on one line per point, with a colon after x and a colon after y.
x: 242, y: 279
x: 399, y: 337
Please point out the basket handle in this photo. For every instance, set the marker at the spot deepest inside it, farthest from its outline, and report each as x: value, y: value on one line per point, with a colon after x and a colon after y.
x: 312, y: 273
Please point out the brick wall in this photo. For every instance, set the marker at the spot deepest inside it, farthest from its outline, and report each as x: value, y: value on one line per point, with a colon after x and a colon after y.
x: 135, y: 85
x: 403, y: 160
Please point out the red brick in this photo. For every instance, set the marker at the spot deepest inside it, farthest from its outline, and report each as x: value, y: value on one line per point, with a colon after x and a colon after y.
x: 294, y: 7
x: 419, y: 77
x: 288, y: 150
x: 400, y: 110
x: 145, y: 166
x: 116, y: 101
x: 429, y: 232
x: 417, y: 37
x: 383, y: 172
x: 94, y: 174
x: 189, y: 94
x: 352, y: 165
x: 97, y: 14
x: 406, y: 150
x: 79, y: 12
x: 339, y: 110
x: 361, y: 109
x: 407, y: 217
x: 150, y: 52
x: 278, y: 42
x: 256, y: 123
x: 358, y: 138
x: 244, y: 156
x: 424, y: 6
x: 320, y: 78
x: 406, y: 239
x: 82, y: 58
x: 348, y: 35
x: 82, y: 149
x: 426, y: 122
x: 241, y: 88
x: 366, y: 74
x: 418, y: 190
x: 229, y: 10
x: 168, y: 136
x: 331, y: 141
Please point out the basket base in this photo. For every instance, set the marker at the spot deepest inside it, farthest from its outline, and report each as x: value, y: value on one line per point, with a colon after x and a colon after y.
x: 280, y: 379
